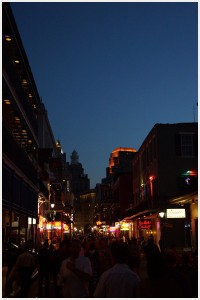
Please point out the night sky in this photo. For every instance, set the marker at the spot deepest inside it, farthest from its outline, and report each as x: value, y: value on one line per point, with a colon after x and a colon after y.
x: 108, y: 72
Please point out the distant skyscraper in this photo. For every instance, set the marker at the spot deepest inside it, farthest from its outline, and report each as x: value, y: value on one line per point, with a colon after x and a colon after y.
x: 120, y: 161
x: 80, y: 181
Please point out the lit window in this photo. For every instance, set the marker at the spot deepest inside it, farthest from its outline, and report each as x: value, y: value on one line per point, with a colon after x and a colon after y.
x: 8, y: 38
x: 7, y: 101
x: 24, y: 81
x: 17, y: 119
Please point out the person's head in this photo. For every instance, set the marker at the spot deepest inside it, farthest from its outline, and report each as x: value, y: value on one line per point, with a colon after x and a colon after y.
x: 46, y: 244
x: 26, y: 246
x: 92, y: 246
x: 102, y: 242
x: 187, y: 258
x: 150, y: 240
x: 119, y: 252
x: 75, y: 247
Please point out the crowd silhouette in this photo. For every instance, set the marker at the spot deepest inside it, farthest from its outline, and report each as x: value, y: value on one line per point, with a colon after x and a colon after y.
x: 105, y: 267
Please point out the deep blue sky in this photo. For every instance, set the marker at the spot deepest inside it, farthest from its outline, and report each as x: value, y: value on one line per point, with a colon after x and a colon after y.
x: 107, y: 72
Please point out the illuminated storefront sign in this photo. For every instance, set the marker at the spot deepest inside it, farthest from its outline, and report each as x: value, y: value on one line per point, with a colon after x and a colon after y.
x: 42, y: 223
x: 176, y: 213
x: 144, y: 224
x: 124, y: 226
x: 66, y: 227
x: 112, y: 228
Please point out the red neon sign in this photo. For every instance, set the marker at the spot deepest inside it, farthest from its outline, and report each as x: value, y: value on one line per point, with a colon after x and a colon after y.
x: 144, y: 224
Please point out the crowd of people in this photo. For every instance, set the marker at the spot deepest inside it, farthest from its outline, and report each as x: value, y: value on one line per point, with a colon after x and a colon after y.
x: 106, y: 267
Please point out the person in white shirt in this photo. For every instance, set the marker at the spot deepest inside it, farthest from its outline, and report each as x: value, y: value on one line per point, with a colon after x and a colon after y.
x: 75, y: 273
x: 119, y: 281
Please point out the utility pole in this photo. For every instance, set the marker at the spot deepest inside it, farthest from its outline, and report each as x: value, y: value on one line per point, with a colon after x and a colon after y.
x: 194, y: 111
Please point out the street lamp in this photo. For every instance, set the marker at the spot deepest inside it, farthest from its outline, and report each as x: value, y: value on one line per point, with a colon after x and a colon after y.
x: 52, y: 218
x: 161, y: 214
x: 161, y: 241
x: 68, y: 209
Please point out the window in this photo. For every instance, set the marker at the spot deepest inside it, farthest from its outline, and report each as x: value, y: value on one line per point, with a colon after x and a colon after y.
x: 187, y: 145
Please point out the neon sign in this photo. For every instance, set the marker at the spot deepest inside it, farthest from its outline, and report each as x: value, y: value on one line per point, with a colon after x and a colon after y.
x: 144, y: 224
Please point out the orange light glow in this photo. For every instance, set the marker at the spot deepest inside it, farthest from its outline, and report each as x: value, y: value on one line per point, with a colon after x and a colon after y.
x: 117, y: 150
x: 66, y: 227
x: 98, y: 222
x: 115, y: 154
x: 7, y: 101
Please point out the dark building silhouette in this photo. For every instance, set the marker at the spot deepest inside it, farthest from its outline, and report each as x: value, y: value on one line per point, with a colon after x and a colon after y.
x: 20, y: 104
x: 34, y: 167
x: 165, y: 171
x: 80, y: 184
x: 80, y: 181
x: 114, y: 194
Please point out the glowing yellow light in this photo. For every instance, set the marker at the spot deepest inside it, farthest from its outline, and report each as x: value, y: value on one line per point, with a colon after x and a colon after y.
x: 7, y: 101
x: 24, y: 81
x: 8, y: 38
x: 98, y: 222
x: 17, y: 119
x: 17, y: 61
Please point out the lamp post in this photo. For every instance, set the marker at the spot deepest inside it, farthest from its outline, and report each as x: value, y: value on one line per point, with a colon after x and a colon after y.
x: 161, y: 241
x: 68, y: 216
x: 52, y: 218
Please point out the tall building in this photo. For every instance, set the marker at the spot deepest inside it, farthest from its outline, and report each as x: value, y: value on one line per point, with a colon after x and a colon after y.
x: 79, y: 180
x: 85, y: 215
x: 20, y: 143
x: 119, y: 162
x: 34, y: 172
x: 165, y: 171
x: 114, y: 195
x: 80, y: 183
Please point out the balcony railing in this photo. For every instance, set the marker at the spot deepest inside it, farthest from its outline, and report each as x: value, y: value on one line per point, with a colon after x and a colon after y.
x: 13, y: 151
x: 10, y: 73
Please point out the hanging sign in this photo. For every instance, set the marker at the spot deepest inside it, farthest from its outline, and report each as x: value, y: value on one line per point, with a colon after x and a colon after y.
x: 176, y: 213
